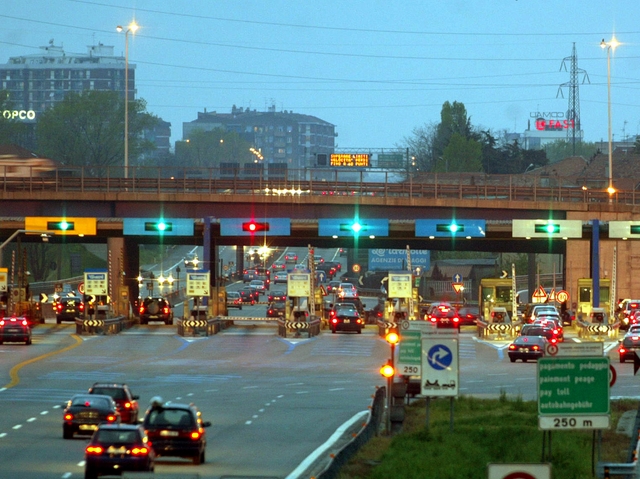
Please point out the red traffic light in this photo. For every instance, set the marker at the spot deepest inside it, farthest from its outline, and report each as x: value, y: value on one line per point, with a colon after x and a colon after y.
x: 254, y: 226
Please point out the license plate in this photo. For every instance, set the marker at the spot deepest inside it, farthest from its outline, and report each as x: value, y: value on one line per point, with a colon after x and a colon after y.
x: 88, y: 427
x: 526, y: 350
x: 168, y: 433
x: 116, y: 450
x: 347, y: 320
x: 445, y: 320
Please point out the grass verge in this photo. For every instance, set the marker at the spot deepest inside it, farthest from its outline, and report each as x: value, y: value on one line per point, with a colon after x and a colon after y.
x: 485, y: 431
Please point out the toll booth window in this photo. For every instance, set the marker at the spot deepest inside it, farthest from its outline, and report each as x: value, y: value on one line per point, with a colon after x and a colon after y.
x: 604, y: 295
x: 584, y: 295
x: 487, y: 293
x: 503, y: 294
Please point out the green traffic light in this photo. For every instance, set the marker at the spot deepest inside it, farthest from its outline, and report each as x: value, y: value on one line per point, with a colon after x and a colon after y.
x: 356, y: 227
x: 60, y: 225
x: 549, y: 228
x: 159, y: 226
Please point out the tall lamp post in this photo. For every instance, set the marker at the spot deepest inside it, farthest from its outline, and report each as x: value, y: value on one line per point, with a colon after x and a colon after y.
x: 610, y: 46
x: 133, y: 27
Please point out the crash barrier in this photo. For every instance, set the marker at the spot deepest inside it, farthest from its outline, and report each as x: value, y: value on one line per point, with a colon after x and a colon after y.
x: 199, y: 327
x: 598, y: 331
x: 102, y: 325
x: 385, y: 327
x: 329, y: 459
x: 496, y: 330
x: 311, y: 327
x: 608, y: 470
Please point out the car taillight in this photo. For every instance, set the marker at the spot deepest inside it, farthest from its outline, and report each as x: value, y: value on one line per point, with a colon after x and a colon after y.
x: 535, y: 348
x: 166, y: 310
x: 127, y: 405
x: 195, y: 435
x: 141, y: 309
x: 94, y: 450
x: 59, y: 306
x: 456, y: 319
x: 68, y: 417
x: 81, y: 306
x: 24, y: 322
x: 553, y: 341
x: 622, y: 350
x: 139, y: 451
x: 111, y: 417
x: 512, y: 346
x: 334, y: 320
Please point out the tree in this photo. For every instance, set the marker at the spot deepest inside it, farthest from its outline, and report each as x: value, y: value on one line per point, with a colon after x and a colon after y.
x: 420, y: 146
x: 453, y: 119
x: 207, y: 149
x: 460, y: 155
x: 87, y: 129
x: 561, y: 149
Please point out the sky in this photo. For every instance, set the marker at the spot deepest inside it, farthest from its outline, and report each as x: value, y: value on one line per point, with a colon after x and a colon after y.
x: 376, y: 69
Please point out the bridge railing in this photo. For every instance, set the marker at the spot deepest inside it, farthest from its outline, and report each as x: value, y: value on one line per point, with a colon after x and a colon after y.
x: 326, y: 182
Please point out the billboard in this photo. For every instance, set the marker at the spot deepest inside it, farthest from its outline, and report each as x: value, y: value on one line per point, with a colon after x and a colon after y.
x: 396, y: 259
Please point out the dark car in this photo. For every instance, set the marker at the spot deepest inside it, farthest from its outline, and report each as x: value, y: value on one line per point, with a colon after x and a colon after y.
x: 277, y: 309
x: 15, y: 330
x: 468, y: 315
x: 346, y: 319
x: 176, y: 430
x: 444, y: 316
x: 629, y: 344
x: 333, y: 287
x: 248, y: 295
x: 277, y: 296
x: 85, y: 412
x: 553, y: 322
x: 126, y: 401
x: 376, y: 313
x: 115, y: 448
x: 234, y: 300
x: 527, y: 347
x: 544, y: 331
x: 68, y: 309
x: 155, y: 309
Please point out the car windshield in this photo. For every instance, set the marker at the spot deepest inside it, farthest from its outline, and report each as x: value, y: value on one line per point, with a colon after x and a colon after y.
x: 170, y: 417
x: 91, y: 401
x: 115, y: 393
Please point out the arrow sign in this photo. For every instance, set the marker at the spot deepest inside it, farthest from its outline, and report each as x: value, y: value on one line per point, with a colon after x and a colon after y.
x: 504, y: 274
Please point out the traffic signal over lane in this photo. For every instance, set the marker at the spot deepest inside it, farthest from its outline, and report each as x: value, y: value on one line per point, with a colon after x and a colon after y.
x: 160, y: 226
x: 254, y: 226
x: 454, y: 228
x: 342, y: 227
x: 553, y: 228
x: 61, y: 225
x: 157, y: 226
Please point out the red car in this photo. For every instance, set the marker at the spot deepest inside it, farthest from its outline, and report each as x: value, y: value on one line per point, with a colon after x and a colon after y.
x: 444, y: 316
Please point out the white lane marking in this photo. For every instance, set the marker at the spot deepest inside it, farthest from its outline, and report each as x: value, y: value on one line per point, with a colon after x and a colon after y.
x: 31, y: 419
x: 44, y: 412
x: 250, y: 387
x: 337, y: 389
x: 17, y: 426
x: 302, y: 392
x: 247, y: 422
x: 3, y: 434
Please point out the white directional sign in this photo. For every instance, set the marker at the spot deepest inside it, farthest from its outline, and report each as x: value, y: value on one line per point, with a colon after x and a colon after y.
x: 440, y: 371
x: 96, y: 282
x: 400, y: 285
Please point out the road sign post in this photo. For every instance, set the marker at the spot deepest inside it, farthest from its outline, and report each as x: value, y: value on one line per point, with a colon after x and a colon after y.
x: 440, y: 372
x: 573, y: 393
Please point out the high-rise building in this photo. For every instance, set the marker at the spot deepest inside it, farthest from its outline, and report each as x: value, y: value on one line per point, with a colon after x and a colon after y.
x: 280, y: 136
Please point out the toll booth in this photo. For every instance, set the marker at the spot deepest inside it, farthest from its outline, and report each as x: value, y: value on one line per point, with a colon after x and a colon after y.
x: 585, y: 296
x: 495, y: 293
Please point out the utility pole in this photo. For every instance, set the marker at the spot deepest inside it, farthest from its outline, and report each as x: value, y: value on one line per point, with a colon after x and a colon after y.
x: 573, y: 111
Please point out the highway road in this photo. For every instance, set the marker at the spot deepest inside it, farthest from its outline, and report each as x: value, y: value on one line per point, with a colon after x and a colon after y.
x: 272, y: 401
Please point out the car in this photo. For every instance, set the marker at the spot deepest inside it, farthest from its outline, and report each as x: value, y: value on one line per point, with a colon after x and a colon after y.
x: 627, y: 313
x: 191, y: 261
x: 68, y: 308
x: 248, y: 275
x: 544, y: 331
x: 278, y: 266
x: 443, y: 315
x: 535, y: 309
x: 126, y: 401
x: 468, y: 315
x: 291, y: 257
x: 301, y: 267
x: 234, y: 300
x: 346, y: 319
x: 248, y: 295
x: 629, y: 345
x: 155, y: 309
x: 352, y: 302
x: 83, y: 413
x: 280, y: 277
x: 176, y: 430
x: 15, y: 329
x: 347, y: 288
x: 634, y: 328
x: 114, y: 448
x: 317, y: 259
x: 554, y: 323
x: 527, y: 347
x: 343, y: 251
x: 277, y: 309
x: 259, y: 286
x: 277, y: 296
x: 376, y: 313
x: 333, y: 287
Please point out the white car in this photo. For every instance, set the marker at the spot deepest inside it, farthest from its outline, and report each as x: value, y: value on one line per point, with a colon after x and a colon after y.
x: 280, y: 277
x: 258, y: 285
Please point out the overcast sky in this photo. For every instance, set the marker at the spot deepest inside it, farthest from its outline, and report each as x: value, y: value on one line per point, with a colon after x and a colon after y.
x: 376, y: 69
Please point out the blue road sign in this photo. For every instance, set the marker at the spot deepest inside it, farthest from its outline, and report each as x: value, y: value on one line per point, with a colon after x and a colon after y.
x: 440, y: 357
x: 451, y: 228
x: 457, y: 278
x: 266, y: 227
x: 157, y: 227
x: 341, y: 227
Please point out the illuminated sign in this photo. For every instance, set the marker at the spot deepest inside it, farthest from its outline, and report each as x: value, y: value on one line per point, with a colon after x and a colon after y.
x: 19, y: 114
x: 546, y: 125
x: 349, y: 159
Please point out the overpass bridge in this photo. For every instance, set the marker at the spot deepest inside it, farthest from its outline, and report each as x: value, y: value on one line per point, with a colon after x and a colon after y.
x: 496, y: 199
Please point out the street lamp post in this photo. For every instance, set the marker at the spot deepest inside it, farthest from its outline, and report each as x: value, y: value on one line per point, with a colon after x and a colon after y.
x: 133, y: 26
x: 610, y: 45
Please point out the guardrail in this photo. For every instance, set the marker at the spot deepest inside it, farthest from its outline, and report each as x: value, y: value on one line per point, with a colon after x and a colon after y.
x: 302, y: 182
x: 102, y: 325
x: 311, y: 327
